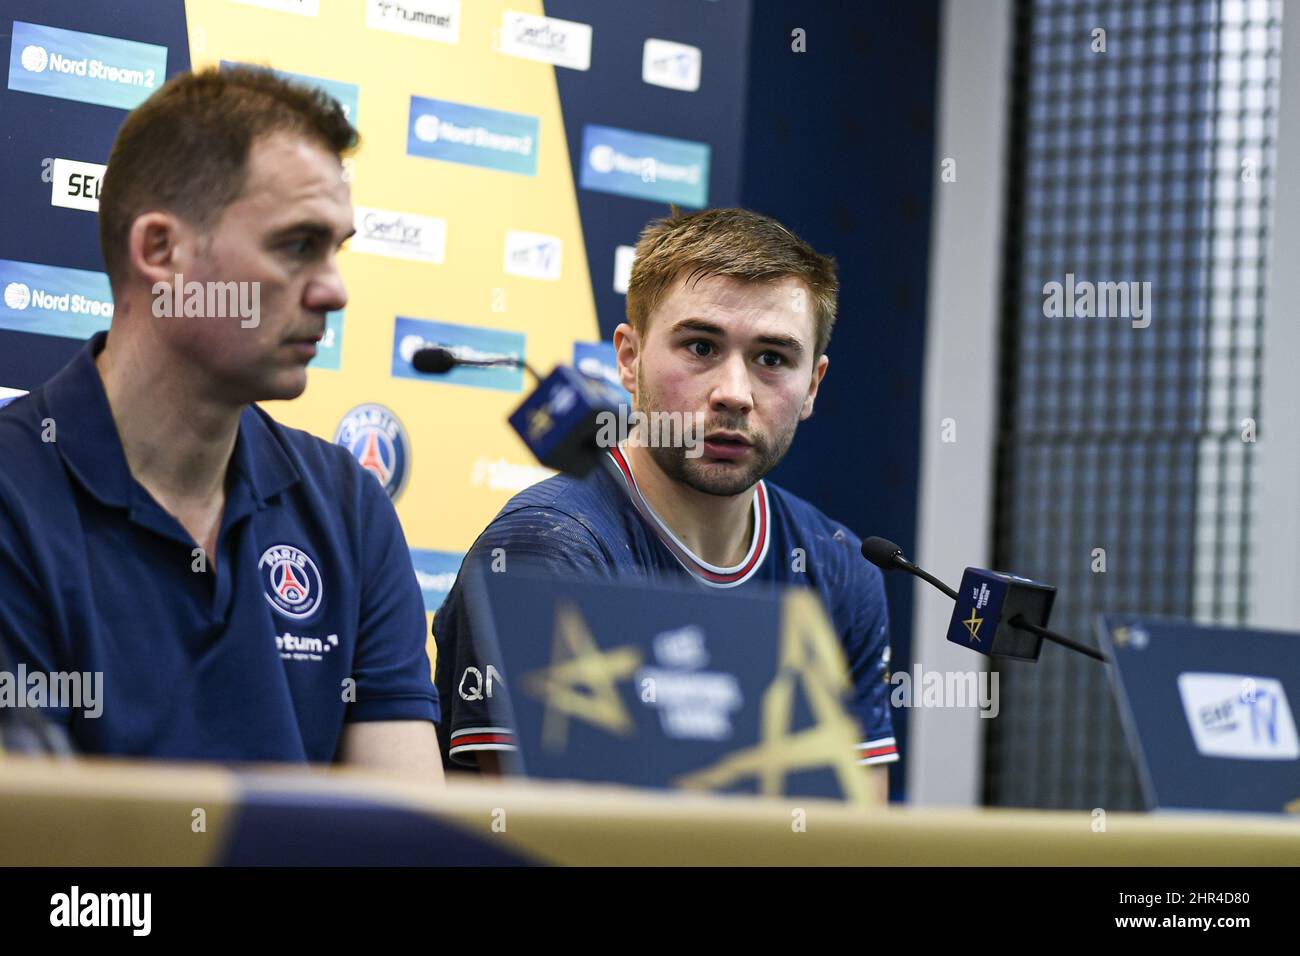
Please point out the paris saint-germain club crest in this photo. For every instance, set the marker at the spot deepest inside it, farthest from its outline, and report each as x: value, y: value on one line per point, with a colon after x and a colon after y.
x: 377, y: 440
x: 291, y: 581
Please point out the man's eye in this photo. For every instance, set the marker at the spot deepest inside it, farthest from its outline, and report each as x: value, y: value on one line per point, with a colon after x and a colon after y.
x: 300, y: 247
x: 780, y: 359
x: 708, y: 346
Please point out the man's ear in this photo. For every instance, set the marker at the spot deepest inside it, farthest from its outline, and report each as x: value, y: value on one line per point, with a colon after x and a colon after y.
x: 627, y: 349
x: 154, y: 247
x: 818, y: 374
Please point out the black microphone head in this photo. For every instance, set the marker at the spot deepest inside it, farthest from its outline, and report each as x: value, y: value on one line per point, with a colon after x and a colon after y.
x: 434, y: 361
x: 882, y: 553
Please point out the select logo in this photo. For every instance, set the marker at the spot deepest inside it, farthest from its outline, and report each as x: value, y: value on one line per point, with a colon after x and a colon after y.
x: 674, y: 65
x: 643, y: 166
x: 473, y: 135
x: 75, y: 185
x: 53, y: 300
x: 427, y: 19
x: 399, y: 235
x: 564, y: 43
x: 86, y: 67
x: 533, y: 255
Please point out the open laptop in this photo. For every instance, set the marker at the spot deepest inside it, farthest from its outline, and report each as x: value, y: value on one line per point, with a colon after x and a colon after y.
x: 1209, y: 712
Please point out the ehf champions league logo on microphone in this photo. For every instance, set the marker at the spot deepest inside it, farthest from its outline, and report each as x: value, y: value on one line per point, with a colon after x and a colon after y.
x: 378, y: 442
x: 291, y: 580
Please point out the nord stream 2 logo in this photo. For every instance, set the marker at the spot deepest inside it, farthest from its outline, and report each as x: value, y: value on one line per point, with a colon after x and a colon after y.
x: 53, y: 300
x: 474, y: 135
x: 645, y: 166
x: 84, y: 66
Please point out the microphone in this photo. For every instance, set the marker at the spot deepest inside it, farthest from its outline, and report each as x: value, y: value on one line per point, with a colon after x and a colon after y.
x: 435, y: 361
x: 887, y: 556
x: 439, y: 360
x: 991, y: 607
x: 561, y: 421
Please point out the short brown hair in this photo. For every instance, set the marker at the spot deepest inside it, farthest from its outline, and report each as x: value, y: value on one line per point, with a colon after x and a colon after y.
x: 727, y: 242
x: 185, y: 149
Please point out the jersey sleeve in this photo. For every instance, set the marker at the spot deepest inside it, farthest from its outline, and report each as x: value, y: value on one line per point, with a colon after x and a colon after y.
x: 867, y: 650
x: 391, y: 663
x: 29, y: 632
x: 541, y: 539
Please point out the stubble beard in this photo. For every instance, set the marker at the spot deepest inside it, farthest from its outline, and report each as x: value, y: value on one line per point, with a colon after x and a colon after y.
x: 714, y: 477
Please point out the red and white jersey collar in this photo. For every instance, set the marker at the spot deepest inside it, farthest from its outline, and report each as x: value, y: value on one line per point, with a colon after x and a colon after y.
x: 704, y: 572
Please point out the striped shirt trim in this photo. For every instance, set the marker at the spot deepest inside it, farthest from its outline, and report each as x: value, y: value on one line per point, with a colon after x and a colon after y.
x: 705, y: 573
x: 481, y: 738
x: 881, y: 750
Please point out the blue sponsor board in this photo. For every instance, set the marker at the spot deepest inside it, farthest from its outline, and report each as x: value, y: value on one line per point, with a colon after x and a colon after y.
x: 329, y: 353
x: 53, y: 300
x: 473, y: 135
x: 84, y: 66
x: 411, y: 335
x: 346, y: 93
x: 644, y: 166
x: 436, y: 571
x: 598, y: 360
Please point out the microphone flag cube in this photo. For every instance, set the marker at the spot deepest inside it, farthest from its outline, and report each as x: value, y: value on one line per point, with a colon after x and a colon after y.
x: 987, y: 601
x: 560, y: 420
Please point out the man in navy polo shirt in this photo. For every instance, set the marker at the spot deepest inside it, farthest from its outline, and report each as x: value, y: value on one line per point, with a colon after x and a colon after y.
x: 243, y: 588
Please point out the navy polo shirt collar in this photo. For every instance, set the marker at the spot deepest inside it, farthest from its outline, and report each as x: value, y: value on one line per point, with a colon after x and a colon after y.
x: 87, y: 438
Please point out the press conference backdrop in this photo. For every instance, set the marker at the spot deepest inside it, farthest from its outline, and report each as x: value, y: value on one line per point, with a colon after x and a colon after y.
x: 491, y: 212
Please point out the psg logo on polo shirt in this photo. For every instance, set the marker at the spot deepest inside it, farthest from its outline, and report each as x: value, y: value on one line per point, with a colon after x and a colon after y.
x: 378, y: 442
x: 291, y: 580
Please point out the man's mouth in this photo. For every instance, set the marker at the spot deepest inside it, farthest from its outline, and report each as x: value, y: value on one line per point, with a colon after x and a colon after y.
x: 731, y: 446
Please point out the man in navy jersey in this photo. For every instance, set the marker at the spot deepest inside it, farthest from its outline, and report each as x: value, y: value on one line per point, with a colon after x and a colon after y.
x: 230, y: 589
x: 729, y: 316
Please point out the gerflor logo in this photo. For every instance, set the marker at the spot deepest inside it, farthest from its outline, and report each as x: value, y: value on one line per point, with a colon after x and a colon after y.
x: 546, y: 39
x: 401, y: 235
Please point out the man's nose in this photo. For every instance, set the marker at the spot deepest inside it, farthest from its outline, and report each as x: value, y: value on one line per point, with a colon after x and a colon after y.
x: 326, y: 291
x: 732, y: 388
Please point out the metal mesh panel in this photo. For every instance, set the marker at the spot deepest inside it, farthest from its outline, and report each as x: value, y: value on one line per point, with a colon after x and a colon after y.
x: 1149, y: 162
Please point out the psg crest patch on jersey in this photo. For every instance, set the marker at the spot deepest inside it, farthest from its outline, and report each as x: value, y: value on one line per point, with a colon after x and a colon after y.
x: 291, y: 580
x: 378, y: 442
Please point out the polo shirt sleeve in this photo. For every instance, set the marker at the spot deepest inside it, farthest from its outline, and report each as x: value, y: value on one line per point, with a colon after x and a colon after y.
x: 391, y: 665
x: 542, y: 540
x: 27, y: 628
